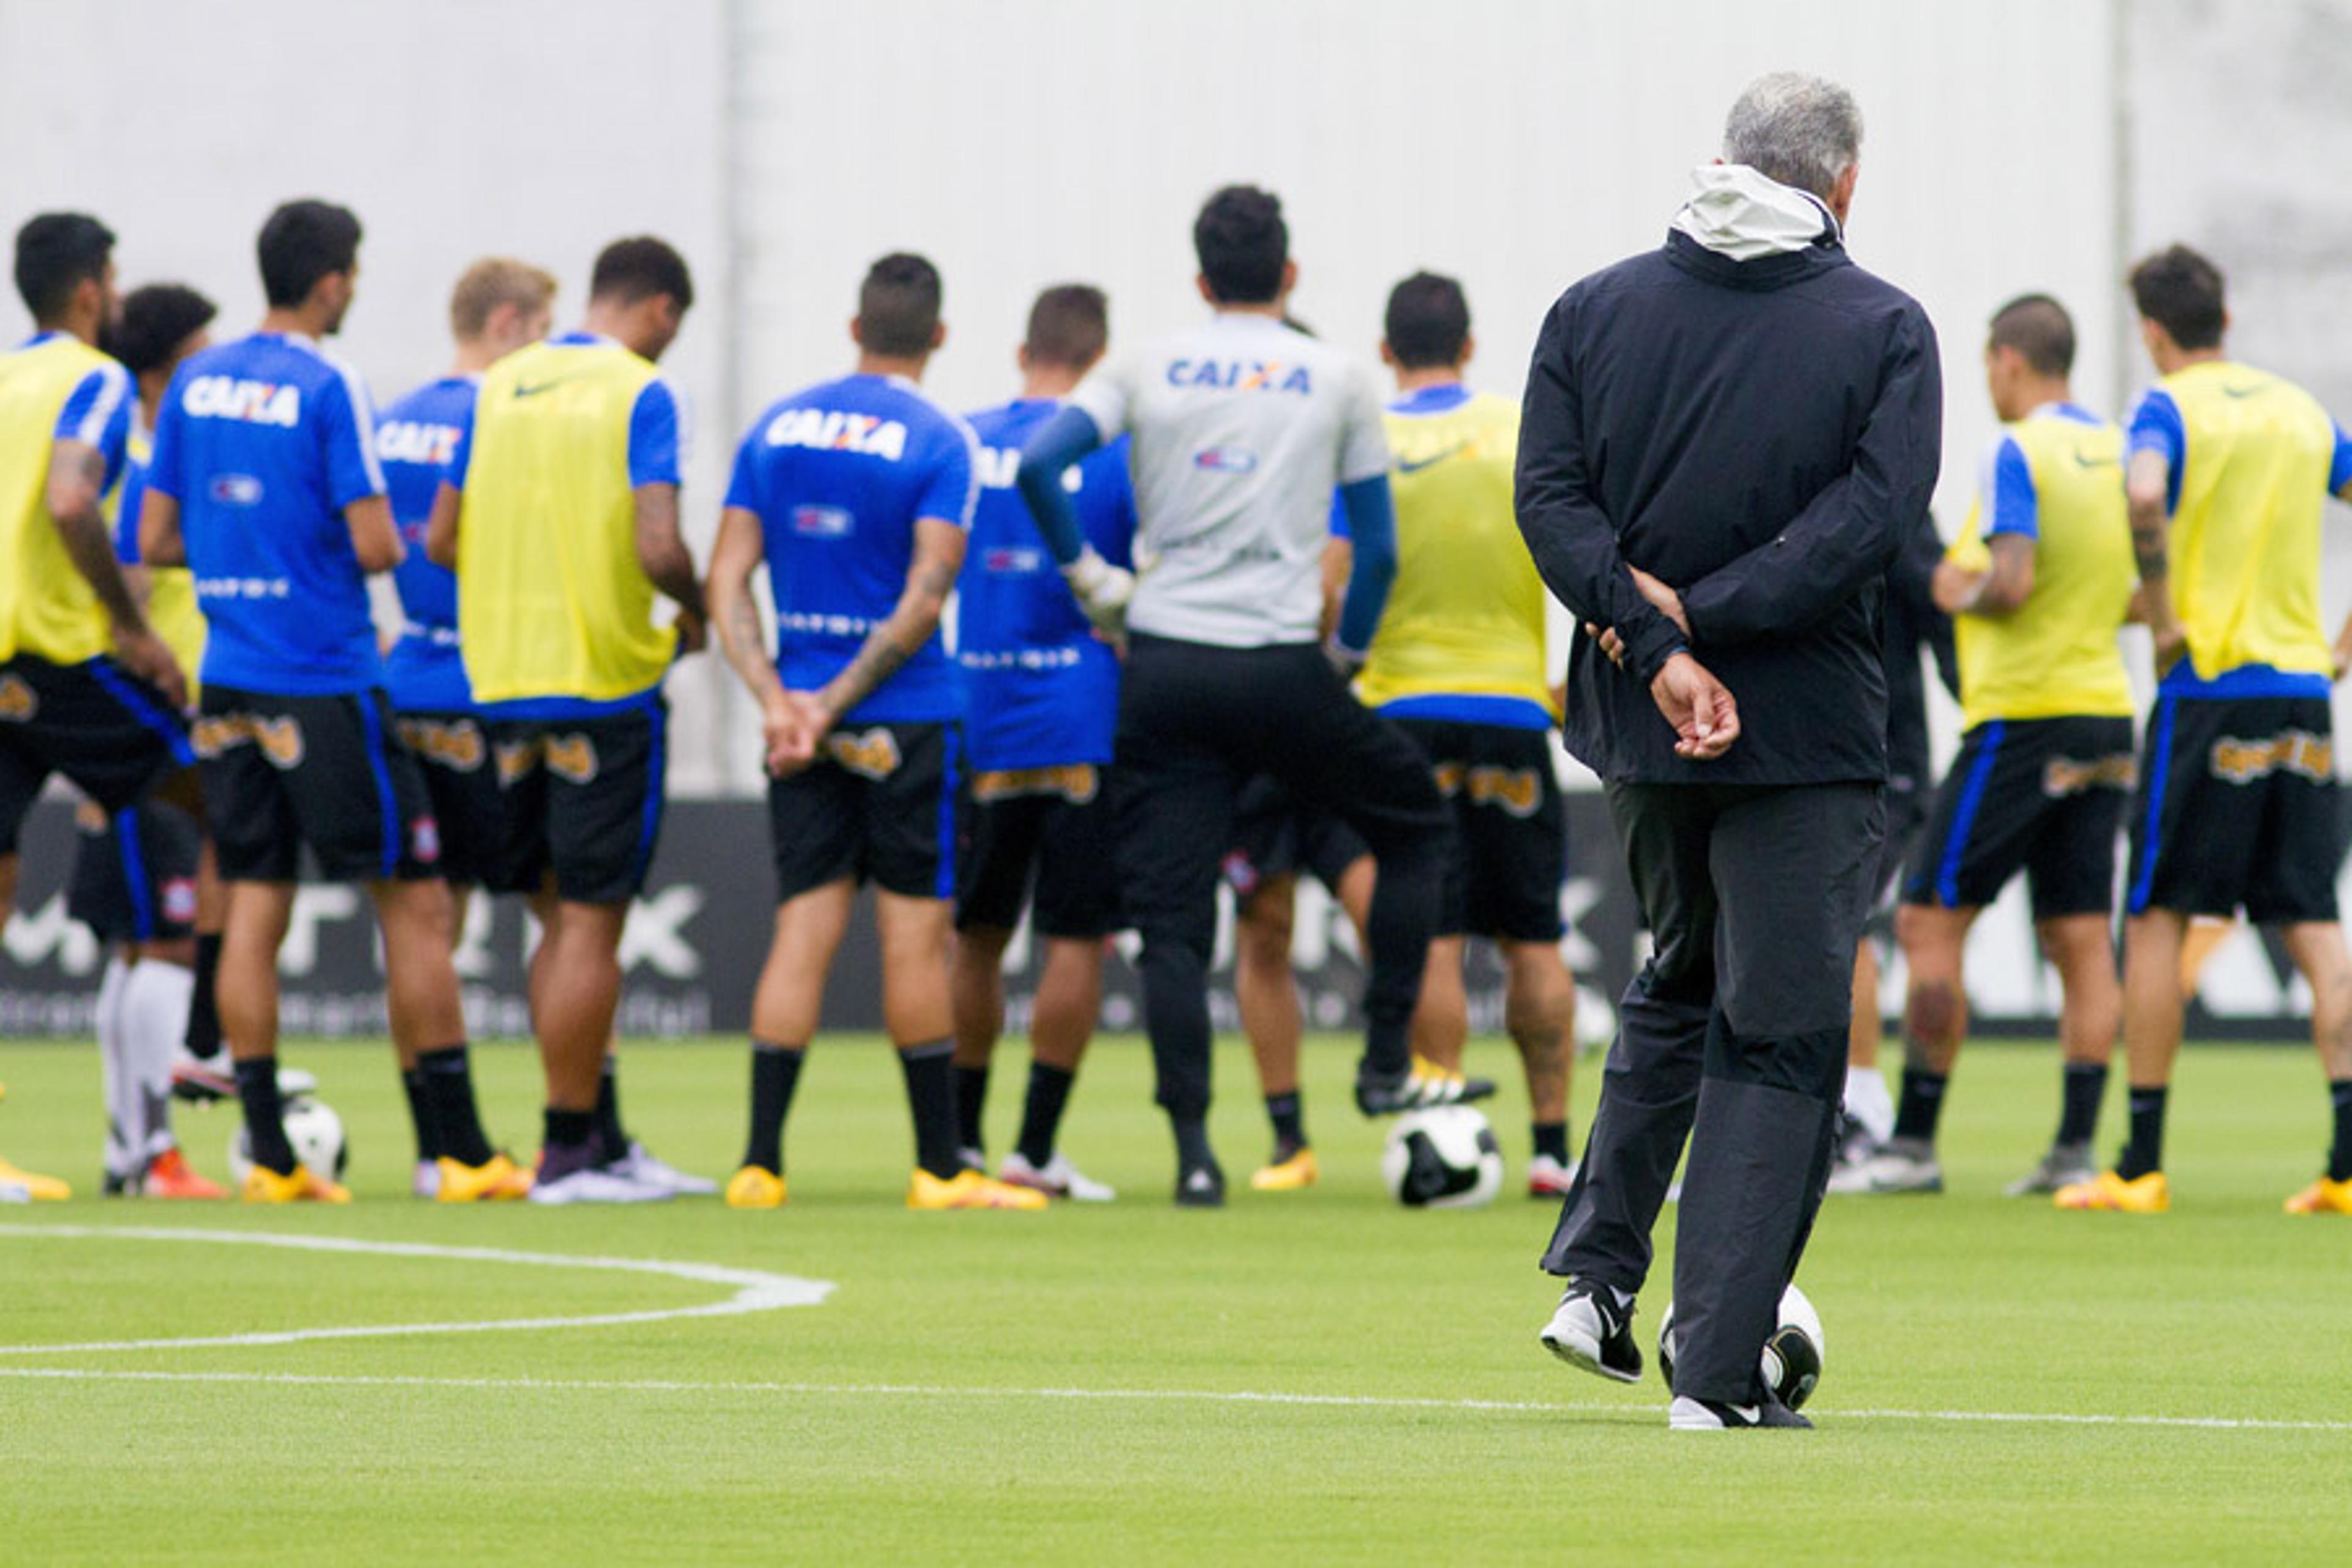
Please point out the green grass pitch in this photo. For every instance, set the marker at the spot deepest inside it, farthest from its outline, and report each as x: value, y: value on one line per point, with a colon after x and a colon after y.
x: 1305, y: 1378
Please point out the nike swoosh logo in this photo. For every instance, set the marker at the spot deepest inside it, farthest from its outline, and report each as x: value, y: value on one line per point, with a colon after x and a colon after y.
x: 522, y: 391
x: 2082, y: 462
x: 1751, y: 1414
x: 1404, y: 467
x: 2243, y: 390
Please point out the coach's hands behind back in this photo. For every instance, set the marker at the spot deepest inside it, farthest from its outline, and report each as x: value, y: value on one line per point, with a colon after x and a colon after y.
x: 1699, y: 707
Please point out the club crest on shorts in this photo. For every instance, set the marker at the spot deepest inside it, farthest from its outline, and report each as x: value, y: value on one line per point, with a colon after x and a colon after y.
x: 873, y: 754
x: 177, y: 900
x: 424, y: 841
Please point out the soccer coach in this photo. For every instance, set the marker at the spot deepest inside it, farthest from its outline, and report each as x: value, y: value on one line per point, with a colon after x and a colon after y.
x: 1723, y: 441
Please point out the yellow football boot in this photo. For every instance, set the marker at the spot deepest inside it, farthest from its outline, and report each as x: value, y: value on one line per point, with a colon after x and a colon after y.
x: 264, y: 1186
x: 1288, y: 1176
x: 756, y: 1187
x: 496, y: 1180
x: 2322, y: 1196
x: 37, y: 1187
x: 969, y: 1190
x: 2150, y: 1193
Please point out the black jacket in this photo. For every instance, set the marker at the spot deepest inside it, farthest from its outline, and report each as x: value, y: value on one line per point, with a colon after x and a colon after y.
x: 1754, y: 434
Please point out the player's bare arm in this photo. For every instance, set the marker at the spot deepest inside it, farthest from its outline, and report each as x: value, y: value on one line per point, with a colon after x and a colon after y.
x: 1996, y: 590
x: 77, y: 473
x: 790, y: 739
x: 939, y: 556
x: 2145, y: 483
x: 441, y: 527
x: 376, y: 539
x: 662, y: 552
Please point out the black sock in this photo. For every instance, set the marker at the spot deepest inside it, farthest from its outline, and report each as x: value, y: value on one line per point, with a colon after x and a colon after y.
x: 420, y: 1116
x: 567, y: 1145
x: 1040, y: 1114
x: 2086, y: 1085
x: 1922, y: 1103
x: 203, y: 1035
x: 265, y: 1116
x: 1388, y: 1046
x: 1551, y: 1140
x: 2339, y: 1155
x: 612, y: 1141
x: 1193, y: 1150
x: 2145, y: 1152
x: 930, y: 1097
x: 970, y: 1100
x: 449, y: 1101
x: 1288, y: 1115
x: 775, y: 1073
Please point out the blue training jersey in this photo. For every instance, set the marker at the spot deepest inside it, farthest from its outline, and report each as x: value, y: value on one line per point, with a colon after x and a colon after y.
x: 838, y: 474
x: 1041, y: 691
x: 264, y: 441
x: 126, y: 517
x: 415, y: 440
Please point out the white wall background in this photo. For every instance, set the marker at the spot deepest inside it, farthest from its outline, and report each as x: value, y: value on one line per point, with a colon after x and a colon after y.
x: 784, y: 144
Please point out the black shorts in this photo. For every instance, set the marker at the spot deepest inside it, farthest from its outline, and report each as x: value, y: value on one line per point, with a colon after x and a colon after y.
x: 461, y: 779
x: 108, y: 732
x: 1276, y: 835
x: 2237, y: 806
x: 135, y: 877
x: 1052, y: 829
x: 281, y: 773
x: 2043, y: 795
x: 582, y: 800
x: 1509, y: 854
x: 878, y: 805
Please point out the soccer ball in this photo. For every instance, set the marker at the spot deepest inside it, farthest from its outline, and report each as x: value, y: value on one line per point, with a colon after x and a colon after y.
x: 1792, y: 1355
x: 1445, y: 1158
x: 316, y: 1133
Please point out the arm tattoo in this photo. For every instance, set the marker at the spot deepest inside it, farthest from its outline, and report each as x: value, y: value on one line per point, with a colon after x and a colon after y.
x: 890, y: 645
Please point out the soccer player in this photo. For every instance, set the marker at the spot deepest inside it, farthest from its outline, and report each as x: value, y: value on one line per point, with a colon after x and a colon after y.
x: 858, y: 493
x: 143, y: 880
x: 2227, y: 471
x: 265, y: 484
x: 2040, y: 584
x: 1243, y: 427
x: 498, y: 306
x: 1460, y: 665
x: 1041, y: 698
x: 559, y: 512
x: 87, y: 686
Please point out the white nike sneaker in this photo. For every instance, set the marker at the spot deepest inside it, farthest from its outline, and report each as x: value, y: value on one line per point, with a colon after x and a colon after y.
x: 591, y: 1184
x: 1688, y: 1414
x: 1057, y: 1177
x: 1549, y: 1178
x: 1901, y: 1165
x: 640, y: 1165
x: 424, y: 1181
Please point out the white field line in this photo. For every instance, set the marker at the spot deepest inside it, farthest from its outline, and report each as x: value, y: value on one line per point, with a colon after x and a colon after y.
x: 1135, y: 1395
x: 756, y: 1290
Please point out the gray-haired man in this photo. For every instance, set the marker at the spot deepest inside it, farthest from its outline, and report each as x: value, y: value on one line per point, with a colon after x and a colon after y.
x: 1771, y: 415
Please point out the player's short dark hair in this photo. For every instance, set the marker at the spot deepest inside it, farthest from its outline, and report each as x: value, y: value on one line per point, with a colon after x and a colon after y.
x: 55, y: 252
x: 2180, y: 291
x: 899, y: 306
x: 639, y: 267
x: 2039, y: 327
x: 302, y: 242
x: 156, y: 320
x: 1243, y: 243
x: 1068, y: 326
x: 1428, y: 321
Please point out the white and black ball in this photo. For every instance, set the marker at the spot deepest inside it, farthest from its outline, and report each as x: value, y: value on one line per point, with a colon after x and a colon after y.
x: 315, y: 1132
x: 1793, y: 1354
x: 1445, y: 1158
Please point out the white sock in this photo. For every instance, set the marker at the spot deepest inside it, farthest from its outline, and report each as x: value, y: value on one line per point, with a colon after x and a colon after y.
x: 125, y: 1117
x: 154, y: 1022
x: 1867, y: 1102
